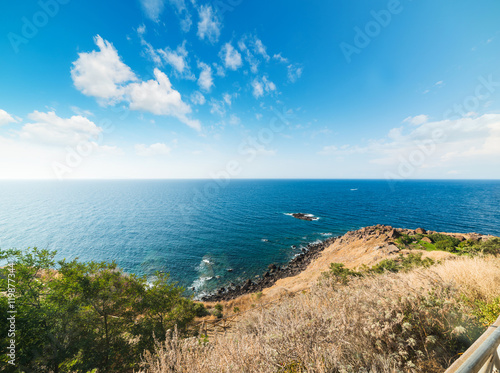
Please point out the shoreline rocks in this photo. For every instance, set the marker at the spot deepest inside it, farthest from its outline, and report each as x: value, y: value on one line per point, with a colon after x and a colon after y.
x: 387, y: 237
x: 273, y: 274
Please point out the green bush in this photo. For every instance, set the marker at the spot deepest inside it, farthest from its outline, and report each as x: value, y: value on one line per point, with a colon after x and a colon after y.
x: 492, y: 246
x: 340, y: 273
x: 405, y: 239
x: 77, y: 317
x: 488, y: 312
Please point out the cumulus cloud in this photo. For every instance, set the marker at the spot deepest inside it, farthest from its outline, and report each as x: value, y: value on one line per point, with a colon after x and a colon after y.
x: 6, y: 118
x: 158, y: 97
x: 209, y: 25
x: 205, y: 81
x: 101, y: 74
x: 178, y: 59
x: 262, y: 86
x: 152, y: 150
x: 50, y: 129
x: 440, y: 145
x: 230, y: 56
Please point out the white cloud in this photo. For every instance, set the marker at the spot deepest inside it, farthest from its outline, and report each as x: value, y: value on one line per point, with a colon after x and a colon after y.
x: 153, y: 8
x: 101, y: 74
x: 158, y: 97
x: 234, y: 119
x: 49, y: 129
x: 152, y: 150
x: 258, y: 88
x: 294, y: 72
x: 230, y: 56
x: 433, y: 148
x: 197, y: 98
x: 209, y: 25
x: 177, y: 59
x: 417, y: 120
x: 6, y: 118
x: 183, y: 14
x: 228, y: 98
x: 82, y: 112
x: 261, y: 49
x: 252, y: 47
x: 262, y: 86
x: 217, y: 107
x: 219, y: 70
x: 280, y: 58
x: 205, y: 81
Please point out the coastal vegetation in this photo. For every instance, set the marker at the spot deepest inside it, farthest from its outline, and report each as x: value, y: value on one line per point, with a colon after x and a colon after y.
x: 76, y: 317
x: 418, y: 320
x: 405, y: 313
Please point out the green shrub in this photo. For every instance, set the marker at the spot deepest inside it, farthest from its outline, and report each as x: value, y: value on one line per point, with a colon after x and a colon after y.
x: 340, y: 273
x: 488, y: 312
x: 77, y: 317
x: 405, y: 239
x: 492, y: 246
x: 386, y: 265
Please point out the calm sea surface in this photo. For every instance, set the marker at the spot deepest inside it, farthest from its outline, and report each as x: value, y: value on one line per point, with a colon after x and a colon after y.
x: 196, y: 230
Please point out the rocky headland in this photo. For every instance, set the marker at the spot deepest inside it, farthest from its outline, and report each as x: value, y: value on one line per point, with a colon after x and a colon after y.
x: 365, y: 246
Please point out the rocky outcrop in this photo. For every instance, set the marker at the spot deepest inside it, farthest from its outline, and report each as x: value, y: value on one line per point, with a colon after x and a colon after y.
x: 273, y: 274
x: 365, y: 246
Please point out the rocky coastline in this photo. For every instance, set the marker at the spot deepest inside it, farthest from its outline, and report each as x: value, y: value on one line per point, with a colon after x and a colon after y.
x: 386, y: 236
x: 273, y: 274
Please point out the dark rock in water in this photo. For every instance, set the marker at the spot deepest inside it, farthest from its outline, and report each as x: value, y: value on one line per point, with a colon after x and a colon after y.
x: 272, y: 267
x: 230, y: 270
x: 302, y: 216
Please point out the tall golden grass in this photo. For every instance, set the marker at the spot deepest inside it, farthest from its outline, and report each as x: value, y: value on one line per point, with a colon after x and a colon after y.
x: 406, y: 322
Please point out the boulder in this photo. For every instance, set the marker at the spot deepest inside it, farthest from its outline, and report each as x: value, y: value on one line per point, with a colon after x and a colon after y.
x: 392, y: 249
x: 393, y: 233
x: 420, y: 231
x: 426, y: 239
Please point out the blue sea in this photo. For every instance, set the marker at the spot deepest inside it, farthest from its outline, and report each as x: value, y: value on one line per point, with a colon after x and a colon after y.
x: 198, y: 229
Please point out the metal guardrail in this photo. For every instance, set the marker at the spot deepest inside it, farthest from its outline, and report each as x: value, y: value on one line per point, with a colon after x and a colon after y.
x: 483, y: 355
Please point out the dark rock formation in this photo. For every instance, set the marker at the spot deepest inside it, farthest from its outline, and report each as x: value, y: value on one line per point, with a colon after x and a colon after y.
x: 273, y: 274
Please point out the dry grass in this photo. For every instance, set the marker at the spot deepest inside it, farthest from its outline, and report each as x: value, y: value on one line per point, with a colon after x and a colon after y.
x: 413, y: 322
x: 477, y: 278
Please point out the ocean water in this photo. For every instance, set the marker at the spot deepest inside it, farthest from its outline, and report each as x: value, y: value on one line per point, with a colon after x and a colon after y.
x: 197, y: 229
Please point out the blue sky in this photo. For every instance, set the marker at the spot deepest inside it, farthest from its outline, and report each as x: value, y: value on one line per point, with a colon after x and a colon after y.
x: 249, y: 89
